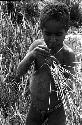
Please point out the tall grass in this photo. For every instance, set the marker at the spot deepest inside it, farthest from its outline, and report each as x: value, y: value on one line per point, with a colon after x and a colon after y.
x: 15, y: 98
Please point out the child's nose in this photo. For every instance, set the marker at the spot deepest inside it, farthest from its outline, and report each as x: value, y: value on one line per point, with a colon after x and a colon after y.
x: 53, y: 38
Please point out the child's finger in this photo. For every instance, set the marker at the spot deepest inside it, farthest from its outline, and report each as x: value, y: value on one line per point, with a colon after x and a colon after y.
x: 54, y: 59
x: 44, y: 47
x: 44, y: 52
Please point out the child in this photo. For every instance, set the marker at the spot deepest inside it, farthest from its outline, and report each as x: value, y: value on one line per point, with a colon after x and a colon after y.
x: 54, y: 23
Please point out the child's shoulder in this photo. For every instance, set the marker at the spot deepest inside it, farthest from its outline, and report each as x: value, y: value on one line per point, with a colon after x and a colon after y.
x: 69, y: 54
x: 68, y: 50
x: 36, y: 43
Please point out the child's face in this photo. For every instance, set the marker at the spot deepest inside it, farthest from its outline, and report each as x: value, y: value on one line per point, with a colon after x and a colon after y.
x: 54, y: 34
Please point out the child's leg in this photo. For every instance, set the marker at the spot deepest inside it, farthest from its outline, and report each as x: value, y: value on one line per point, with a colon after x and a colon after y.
x: 57, y: 117
x: 33, y: 117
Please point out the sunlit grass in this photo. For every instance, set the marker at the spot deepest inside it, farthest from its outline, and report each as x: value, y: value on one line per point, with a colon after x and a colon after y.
x: 15, y: 99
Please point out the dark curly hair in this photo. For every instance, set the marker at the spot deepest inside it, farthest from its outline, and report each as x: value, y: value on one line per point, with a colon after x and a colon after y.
x: 58, y: 11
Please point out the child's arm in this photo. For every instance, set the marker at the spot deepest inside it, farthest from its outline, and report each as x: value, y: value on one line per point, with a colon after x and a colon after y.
x: 25, y: 64
x: 70, y: 67
x: 33, y: 53
x: 69, y: 59
x: 71, y: 63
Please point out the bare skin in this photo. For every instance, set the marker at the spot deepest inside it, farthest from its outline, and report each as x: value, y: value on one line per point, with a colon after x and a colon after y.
x: 40, y: 52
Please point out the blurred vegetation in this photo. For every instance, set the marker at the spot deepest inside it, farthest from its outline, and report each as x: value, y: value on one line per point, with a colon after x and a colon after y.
x: 19, y: 27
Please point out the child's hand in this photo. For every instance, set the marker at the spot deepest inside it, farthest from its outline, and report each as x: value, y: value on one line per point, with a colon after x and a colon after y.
x: 42, y: 55
x: 41, y: 51
x: 54, y: 59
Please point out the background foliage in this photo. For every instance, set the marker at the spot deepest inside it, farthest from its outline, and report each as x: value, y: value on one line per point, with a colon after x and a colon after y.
x: 19, y: 27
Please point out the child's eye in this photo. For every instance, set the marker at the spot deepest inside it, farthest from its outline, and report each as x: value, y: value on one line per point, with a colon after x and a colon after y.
x: 58, y: 34
x: 48, y: 34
